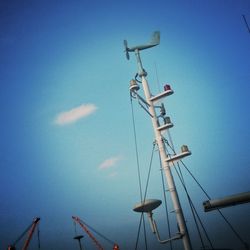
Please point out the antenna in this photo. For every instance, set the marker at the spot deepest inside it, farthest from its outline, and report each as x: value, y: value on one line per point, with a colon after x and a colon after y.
x: 147, y: 206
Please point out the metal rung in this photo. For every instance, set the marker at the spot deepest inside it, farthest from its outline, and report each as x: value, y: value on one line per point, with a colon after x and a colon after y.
x: 175, y: 211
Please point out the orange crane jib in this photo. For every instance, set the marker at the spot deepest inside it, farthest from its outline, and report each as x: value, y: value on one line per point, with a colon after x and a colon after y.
x: 31, y: 230
x: 84, y: 227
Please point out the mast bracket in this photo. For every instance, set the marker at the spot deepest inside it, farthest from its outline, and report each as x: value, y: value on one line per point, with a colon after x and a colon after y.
x: 185, y: 152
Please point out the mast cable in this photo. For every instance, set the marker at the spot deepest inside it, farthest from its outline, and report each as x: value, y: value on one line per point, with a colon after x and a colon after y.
x: 192, y: 207
x: 166, y: 206
x: 149, y: 171
x: 144, y: 108
x: 144, y: 230
x: 146, y: 188
x: 194, y: 212
x: 222, y: 215
x: 136, y: 75
x: 136, y: 149
x: 74, y: 223
x: 139, y: 174
x: 138, y: 232
x: 245, y: 20
x: 157, y: 77
x: 171, y: 141
x: 166, y: 142
x: 233, y: 229
x: 182, y: 177
x: 38, y: 237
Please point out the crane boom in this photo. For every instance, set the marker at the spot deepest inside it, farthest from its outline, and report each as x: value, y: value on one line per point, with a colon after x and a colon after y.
x: 85, y: 227
x: 78, y: 220
x: 32, y: 229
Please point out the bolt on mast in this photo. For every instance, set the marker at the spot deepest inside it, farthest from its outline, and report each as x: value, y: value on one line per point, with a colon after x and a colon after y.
x: 165, y: 159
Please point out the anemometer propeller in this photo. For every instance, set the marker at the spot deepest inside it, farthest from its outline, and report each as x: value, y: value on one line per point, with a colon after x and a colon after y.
x: 155, y: 40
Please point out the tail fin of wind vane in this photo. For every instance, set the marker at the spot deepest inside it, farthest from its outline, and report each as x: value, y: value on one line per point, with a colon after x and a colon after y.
x: 155, y: 38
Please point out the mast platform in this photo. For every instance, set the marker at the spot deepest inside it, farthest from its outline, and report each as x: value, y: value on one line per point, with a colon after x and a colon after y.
x: 161, y: 95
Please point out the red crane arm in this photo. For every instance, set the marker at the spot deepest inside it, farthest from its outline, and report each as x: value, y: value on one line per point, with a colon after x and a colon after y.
x: 78, y: 220
x: 32, y: 229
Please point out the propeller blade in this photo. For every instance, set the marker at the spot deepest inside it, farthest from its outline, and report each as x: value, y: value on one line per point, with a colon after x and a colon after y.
x: 126, y: 48
x: 125, y: 44
x: 127, y: 55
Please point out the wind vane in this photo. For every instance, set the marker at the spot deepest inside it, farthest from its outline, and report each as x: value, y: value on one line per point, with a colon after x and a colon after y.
x: 154, y: 41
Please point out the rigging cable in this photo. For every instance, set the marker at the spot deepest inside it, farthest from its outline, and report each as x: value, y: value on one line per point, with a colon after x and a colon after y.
x: 98, y: 233
x: 245, y: 21
x: 38, y: 237
x: 74, y: 223
x: 146, y: 188
x: 222, y: 215
x: 139, y: 177
x: 138, y: 232
x: 171, y: 141
x: 194, y: 212
x: 157, y: 77
x: 192, y: 207
x: 166, y: 206
x: 21, y: 236
x: 149, y: 171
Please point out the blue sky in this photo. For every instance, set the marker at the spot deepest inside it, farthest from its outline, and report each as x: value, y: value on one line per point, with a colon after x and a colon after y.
x: 67, y: 145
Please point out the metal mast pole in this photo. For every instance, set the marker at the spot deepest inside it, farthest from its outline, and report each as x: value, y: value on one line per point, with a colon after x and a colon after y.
x: 163, y: 156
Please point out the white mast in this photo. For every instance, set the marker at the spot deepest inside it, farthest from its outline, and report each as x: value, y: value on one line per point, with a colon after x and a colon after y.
x: 165, y: 159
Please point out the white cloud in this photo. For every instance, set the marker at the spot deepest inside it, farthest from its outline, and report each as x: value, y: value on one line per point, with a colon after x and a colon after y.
x: 110, y: 162
x: 75, y: 114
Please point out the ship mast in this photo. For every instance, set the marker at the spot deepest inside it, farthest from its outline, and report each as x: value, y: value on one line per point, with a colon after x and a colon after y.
x: 164, y: 157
